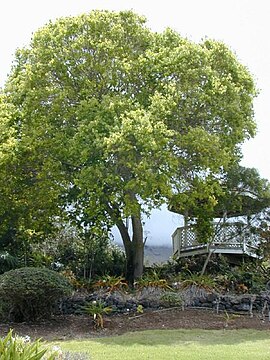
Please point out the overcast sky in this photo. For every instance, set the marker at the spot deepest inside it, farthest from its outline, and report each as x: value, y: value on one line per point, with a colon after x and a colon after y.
x: 243, y: 25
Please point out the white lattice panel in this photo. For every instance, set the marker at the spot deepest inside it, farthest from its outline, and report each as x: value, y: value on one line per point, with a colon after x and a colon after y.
x: 230, y: 236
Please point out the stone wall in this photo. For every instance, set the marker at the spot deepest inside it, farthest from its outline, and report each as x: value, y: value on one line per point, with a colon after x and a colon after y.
x: 158, y: 298
x: 235, y: 303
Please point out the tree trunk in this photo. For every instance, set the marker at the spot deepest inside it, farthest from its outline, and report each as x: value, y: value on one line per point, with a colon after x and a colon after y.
x: 138, y: 246
x: 134, y: 248
x: 128, y: 245
x: 130, y: 276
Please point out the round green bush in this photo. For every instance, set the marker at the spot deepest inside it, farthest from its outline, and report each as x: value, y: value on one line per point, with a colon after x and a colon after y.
x: 31, y: 293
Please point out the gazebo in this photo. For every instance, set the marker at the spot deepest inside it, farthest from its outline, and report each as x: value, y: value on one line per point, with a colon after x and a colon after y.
x: 233, y: 233
x: 230, y: 238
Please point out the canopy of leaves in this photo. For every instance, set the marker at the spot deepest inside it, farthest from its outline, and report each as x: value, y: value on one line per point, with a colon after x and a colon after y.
x: 110, y: 115
x: 244, y: 193
x: 238, y: 192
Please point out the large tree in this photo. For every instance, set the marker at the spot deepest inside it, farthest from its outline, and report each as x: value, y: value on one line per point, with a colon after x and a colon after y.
x: 114, y: 118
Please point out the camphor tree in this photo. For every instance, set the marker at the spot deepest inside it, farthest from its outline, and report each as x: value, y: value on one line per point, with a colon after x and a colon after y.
x: 114, y: 118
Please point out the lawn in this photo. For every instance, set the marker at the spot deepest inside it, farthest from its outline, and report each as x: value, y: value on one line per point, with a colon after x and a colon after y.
x: 177, y: 344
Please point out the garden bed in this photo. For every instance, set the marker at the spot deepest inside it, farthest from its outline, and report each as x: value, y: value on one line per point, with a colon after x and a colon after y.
x: 80, y: 326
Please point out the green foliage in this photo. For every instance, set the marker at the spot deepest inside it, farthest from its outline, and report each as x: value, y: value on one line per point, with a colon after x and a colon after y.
x: 92, y: 256
x: 14, y: 347
x: 111, y: 283
x: 31, y: 293
x: 87, y: 254
x: 251, y: 277
x: 193, y: 264
x: 171, y: 299
x: 7, y: 262
x: 96, y: 309
x: 244, y: 192
x: 201, y: 281
x: 228, y: 318
x: 109, y: 119
x: 4, y: 309
x: 139, y: 309
x: 198, y: 205
x: 19, y: 348
x: 152, y: 279
x: 264, y: 249
x: 76, y: 283
x: 238, y: 191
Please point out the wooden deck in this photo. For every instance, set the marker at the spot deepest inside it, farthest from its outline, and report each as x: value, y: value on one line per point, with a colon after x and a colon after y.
x: 232, y: 238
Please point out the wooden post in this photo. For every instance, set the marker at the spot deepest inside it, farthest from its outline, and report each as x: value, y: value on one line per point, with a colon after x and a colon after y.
x: 185, y: 227
x: 180, y: 240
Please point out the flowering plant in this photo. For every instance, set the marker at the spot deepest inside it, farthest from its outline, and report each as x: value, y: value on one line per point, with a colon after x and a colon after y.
x: 14, y: 347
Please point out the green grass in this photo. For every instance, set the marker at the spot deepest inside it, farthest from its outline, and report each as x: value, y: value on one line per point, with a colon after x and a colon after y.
x: 178, y: 344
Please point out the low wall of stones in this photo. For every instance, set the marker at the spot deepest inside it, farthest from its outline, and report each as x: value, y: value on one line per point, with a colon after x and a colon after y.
x: 235, y: 303
x: 156, y: 298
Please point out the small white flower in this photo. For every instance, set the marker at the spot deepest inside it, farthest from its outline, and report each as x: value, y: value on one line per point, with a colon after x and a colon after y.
x: 26, y: 339
x: 58, y: 350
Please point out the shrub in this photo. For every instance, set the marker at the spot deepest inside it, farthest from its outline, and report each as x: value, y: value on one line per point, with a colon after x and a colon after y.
x: 31, y: 293
x: 248, y: 277
x: 87, y: 254
x: 3, y: 309
x: 194, y: 264
x: 171, y: 299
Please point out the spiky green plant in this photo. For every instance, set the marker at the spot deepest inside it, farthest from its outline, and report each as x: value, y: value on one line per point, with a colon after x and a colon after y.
x: 97, y: 309
x: 201, y: 281
x: 20, y: 348
x: 152, y: 279
x: 111, y: 283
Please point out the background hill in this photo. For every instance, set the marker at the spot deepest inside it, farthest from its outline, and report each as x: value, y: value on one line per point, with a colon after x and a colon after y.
x: 157, y: 254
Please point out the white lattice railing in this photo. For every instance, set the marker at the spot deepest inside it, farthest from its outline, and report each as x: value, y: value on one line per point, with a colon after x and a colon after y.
x: 228, y: 236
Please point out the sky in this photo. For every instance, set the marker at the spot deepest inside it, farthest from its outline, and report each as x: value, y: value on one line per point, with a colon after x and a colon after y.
x: 243, y: 25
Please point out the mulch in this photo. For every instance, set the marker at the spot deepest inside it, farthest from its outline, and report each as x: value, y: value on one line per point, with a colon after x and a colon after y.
x: 81, y: 326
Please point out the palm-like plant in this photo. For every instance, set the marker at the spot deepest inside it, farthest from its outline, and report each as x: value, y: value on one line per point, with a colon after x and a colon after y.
x: 97, y: 309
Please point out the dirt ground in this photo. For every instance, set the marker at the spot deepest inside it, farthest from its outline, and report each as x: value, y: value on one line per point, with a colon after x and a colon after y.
x: 81, y: 326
